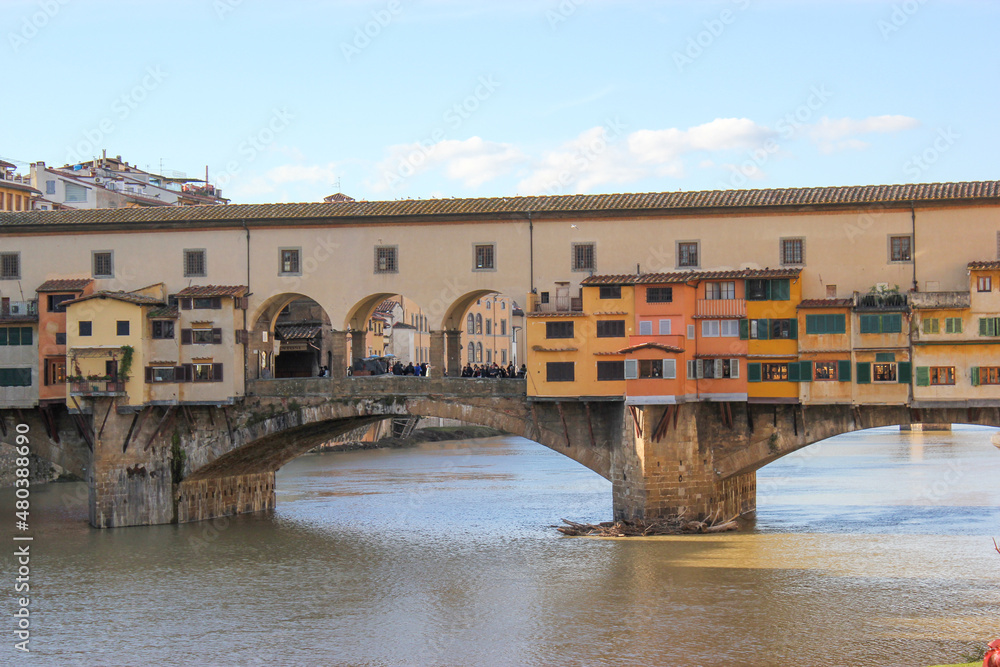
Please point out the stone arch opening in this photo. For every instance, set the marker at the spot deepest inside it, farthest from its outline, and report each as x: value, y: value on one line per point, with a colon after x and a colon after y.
x: 291, y: 337
x: 490, y: 330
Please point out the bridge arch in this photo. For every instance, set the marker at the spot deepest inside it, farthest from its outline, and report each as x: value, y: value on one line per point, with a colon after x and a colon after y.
x: 289, y: 337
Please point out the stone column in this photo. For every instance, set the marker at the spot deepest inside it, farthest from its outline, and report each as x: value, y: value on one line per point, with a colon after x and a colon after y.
x: 358, y: 348
x: 453, y: 341
x: 338, y: 349
x: 437, y: 354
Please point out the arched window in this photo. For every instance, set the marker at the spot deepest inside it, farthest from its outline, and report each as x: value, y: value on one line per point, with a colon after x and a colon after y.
x: 503, y: 305
x: 489, y: 327
x: 472, y: 352
x: 479, y: 353
x: 471, y: 323
x: 487, y: 305
x: 479, y: 323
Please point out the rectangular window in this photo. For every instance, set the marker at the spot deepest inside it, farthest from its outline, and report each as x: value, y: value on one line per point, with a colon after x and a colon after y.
x: 16, y: 335
x: 986, y: 375
x: 758, y: 289
x: 953, y: 325
x: 608, y: 371
x: 659, y: 294
x: 687, y: 254
x: 543, y: 297
x: 386, y: 259
x: 884, y: 372
x: 103, y: 264
x: 194, y: 263
x: 10, y: 266
x: 75, y: 193
x: 162, y: 374
x: 207, y: 372
x: 826, y: 324
x: 930, y: 325
x: 774, y: 372
x: 583, y: 257
x: 55, y: 371
x: 900, y: 248
x: 610, y: 292
x: 792, y: 252
x: 558, y: 329
x: 665, y: 327
x: 989, y: 326
x: 559, y: 371
x: 710, y: 328
x: 942, y: 375
x: 60, y: 338
x: 207, y: 302
x: 122, y: 327
x: 720, y: 290
x: 484, y: 255
x: 611, y: 329
x: 886, y: 323
x: 50, y: 187
x: 825, y: 370
x: 984, y: 283
x: 729, y: 329
x: 289, y: 261
x: 202, y: 336
x: 56, y: 301
x: 782, y: 329
x: 86, y: 328
x: 163, y: 328
x: 651, y: 368
x: 15, y: 377
x: 646, y: 328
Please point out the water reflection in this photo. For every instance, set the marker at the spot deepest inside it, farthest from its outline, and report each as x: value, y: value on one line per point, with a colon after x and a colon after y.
x: 864, y: 553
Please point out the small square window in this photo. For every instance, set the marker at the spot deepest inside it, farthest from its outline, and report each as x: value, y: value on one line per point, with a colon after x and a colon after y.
x: 86, y: 328
x: 687, y: 255
x: 900, y: 248
x: 163, y: 329
x: 584, y: 257
x: 984, y: 283
x: 10, y: 266
x: 290, y: 262
x: 386, y: 259
x: 194, y: 263
x: 103, y: 264
x: 122, y: 327
x: 610, y: 292
x: 485, y: 257
x: 659, y: 294
x: 61, y: 338
x: 792, y: 251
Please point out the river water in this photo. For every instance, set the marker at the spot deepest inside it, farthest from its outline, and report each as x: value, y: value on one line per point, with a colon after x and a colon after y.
x: 868, y: 549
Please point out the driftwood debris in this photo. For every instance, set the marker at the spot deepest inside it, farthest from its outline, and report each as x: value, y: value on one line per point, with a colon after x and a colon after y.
x: 676, y: 525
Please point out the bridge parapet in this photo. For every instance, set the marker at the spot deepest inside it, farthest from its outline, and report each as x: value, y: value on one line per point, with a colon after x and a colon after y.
x: 387, y: 385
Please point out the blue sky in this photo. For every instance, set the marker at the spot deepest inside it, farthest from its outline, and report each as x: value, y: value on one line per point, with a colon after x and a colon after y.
x: 449, y: 98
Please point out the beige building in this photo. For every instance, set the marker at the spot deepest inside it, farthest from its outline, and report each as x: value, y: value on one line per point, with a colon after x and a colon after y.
x: 490, y: 328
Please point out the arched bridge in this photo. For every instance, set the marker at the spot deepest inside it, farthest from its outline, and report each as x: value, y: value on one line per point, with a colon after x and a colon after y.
x: 188, y: 463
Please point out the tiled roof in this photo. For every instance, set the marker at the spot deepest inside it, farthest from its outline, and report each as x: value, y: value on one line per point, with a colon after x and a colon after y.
x: 558, y: 313
x: 403, y: 325
x: 789, y: 198
x: 298, y: 332
x: 213, y: 290
x: 129, y: 297
x: 64, y: 285
x: 826, y: 303
x: 650, y: 346
x: 163, y: 313
x: 539, y: 348
x: 386, y: 306
x: 687, y: 276
x: 981, y: 266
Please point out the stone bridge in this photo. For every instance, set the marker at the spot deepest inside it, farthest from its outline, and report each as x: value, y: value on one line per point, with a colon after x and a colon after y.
x: 189, y: 463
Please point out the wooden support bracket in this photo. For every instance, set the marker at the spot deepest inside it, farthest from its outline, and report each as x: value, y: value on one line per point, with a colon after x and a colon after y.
x: 136, y: 427
x: 663, y: 423
x: 636, y: 420
x: 590, y: 425
x: 562, y: 416
x: 82, y: 426
x: 156, y: 431
x: 104, y: 421
x: 229, y: 426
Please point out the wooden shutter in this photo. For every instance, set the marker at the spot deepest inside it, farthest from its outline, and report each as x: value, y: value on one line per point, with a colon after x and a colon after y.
x: 664, y: 327
x: 753, y: 372
x: 645, y: 328
x: 744, y: 329
x: 793, y: 371
x: 189, y: 372
x: 974, y: 377
x: 923, y: 376
x: 185, y: 336
x: 149, y: 374
x: 844, y: 370
x: 216, y: 303
x: 734, y: 368
x: 806, y: 371
x: 670, y: 368
x: 793, y: 328
x: 763, y: 329
x: 179, y: 374
x: 780, y: 290
x: 904, y: 372
x: 216, y: 372
x: 631, y: 369
x: 216, y: 336
x: 185, y: 304
x: 864, y: 372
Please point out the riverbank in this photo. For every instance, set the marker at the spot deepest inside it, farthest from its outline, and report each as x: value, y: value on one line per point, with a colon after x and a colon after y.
x: 418, y: 437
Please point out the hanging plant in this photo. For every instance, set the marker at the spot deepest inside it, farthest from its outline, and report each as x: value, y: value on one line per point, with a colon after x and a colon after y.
x: 125, y: 365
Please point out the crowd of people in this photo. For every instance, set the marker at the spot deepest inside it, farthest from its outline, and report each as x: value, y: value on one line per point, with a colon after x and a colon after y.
x: 493, y: 370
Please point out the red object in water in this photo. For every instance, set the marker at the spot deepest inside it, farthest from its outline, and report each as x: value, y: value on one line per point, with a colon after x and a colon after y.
x: 992, y: 658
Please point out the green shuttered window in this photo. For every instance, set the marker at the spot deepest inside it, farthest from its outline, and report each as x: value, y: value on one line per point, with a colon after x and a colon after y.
x: 831, y: 323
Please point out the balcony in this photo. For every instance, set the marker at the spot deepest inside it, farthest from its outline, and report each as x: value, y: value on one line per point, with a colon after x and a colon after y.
x: 721, y: 308
x: 97, y: 388
x: 560, y: 304
x: 12, y: 311
x: 880, y: 302
x: 932, y: 300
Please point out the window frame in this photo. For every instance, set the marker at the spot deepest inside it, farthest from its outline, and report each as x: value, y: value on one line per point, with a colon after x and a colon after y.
x: 161, y: 325
x: 609, y: 292
x: 831, y: 371
x: 617, y: 375
x: 193, y: 252
x: 552, y: 369
x: 5, y: 259
x: 891, y: 239
x: 610, y: 329
x: 295, y: 270
x: 391, y: 255
x: 890, y: 366
x: 668, y: 292
x: 938, y: 373
x: 111, y: 263
x: 783, y: 250
x: 553, y: 332
x: 127, y: 327
x: 488, y: 250
x: 575, y: 265
x: 984, y: 283
x: 682, y: 251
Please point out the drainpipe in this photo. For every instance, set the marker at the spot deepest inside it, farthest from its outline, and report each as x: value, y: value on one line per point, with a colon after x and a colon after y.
x: 246, y: 341
x: 531, y: 253
x: 913, y: 245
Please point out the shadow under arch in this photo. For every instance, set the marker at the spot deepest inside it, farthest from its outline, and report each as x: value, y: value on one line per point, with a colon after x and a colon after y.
x: 454, y: 316
x: 359, y: 314
x: 264, y: 331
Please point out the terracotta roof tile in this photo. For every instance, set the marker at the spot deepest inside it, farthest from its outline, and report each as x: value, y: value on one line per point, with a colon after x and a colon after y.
x: 163, y: 313
x: 298, y: 331
x: 214, y: 290
x: 826, y: 303
x: 687, y: 276
x: 129, y: 297
x: 650, y: 346
x: 64, y: 285
x: 790, y: 198
x: 984, y: 266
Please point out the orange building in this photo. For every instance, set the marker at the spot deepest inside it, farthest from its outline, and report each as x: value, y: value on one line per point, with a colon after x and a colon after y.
x: 52, y: 296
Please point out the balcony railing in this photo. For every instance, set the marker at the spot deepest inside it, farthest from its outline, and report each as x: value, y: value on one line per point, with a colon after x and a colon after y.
x: 881, y: 302
x: 97, y: 388
x: 560, y: 304
x: 19, y: 309
x: 721, y: 308
x: 940, y: 300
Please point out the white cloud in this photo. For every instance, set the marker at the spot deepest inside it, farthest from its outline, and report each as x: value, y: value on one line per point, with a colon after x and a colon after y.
x: 721, y: 134
x: 593, y: 158
x: 834, y: 134
x: 472, y: 161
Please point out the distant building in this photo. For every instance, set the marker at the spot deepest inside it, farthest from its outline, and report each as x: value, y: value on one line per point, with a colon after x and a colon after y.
x: 491, y: 326
x: 16, y: 192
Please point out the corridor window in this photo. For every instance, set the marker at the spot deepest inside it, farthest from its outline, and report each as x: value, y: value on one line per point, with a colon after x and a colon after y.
x: 163, y: 328
x: 103, y: 264
x: 162, y: 374
x: 290, y: 261
x: 194, y: 263
x: 484, y: 257
x: 987, y: 375
x: 900, y: 248
x: 687, y: 255
x: 825, y: 370
x: 611, y: 329
x: 792, y: 251
x: 559, y: 371
x: 608, y: 371
x: 386, y: 259
x: 207, y: 372
x: 583, y: 257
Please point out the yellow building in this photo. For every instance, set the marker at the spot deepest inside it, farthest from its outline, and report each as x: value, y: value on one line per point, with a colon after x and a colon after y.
x: 825, y: 364
x: 772, y: 329
x: 880, y: 330
x: 16, y: 193
x: 488, y: 336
